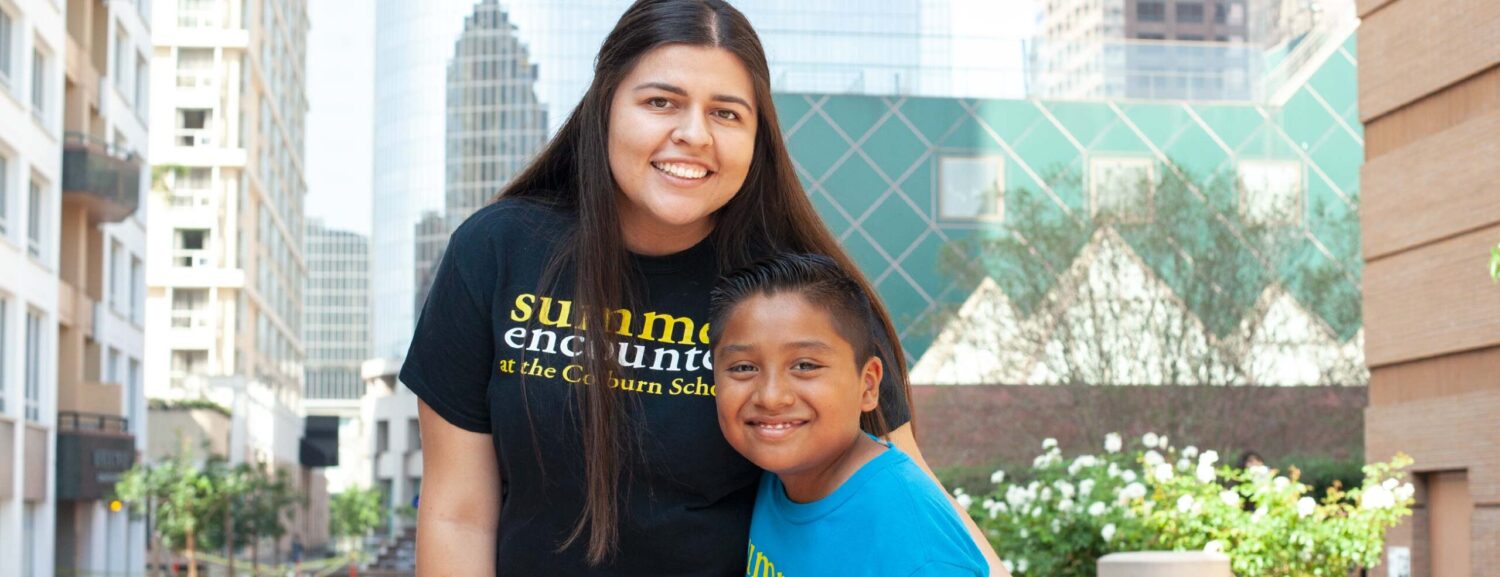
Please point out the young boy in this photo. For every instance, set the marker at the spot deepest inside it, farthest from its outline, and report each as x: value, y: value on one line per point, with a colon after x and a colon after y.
x: 795, y: 367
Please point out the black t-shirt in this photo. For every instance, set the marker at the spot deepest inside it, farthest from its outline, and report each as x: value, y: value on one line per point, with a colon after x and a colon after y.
x: 686, y: 496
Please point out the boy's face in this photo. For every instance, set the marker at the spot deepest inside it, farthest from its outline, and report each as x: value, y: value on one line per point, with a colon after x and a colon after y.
x: 788, y: 389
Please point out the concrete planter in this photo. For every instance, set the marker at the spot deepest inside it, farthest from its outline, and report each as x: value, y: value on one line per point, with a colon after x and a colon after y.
x: 1165, y: 564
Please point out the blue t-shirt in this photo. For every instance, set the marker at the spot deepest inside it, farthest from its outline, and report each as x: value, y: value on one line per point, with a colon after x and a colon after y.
x: 888, y: 519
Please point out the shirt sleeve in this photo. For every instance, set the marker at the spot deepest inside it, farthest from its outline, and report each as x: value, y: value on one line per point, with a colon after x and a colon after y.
x: 942, y: 569
x: 451, y: 356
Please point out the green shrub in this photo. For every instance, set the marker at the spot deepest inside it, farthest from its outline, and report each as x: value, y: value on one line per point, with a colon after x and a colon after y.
x: 1157, y: 497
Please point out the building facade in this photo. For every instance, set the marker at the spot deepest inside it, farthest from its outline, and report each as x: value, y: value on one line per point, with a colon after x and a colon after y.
x: 102, y: 290
x: 1428, y: 99
x: 336, y: 332
x: 226, y: 265
x: 33, y: 49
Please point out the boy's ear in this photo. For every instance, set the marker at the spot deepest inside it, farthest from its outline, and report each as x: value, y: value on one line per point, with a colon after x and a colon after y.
x: 869, y: 380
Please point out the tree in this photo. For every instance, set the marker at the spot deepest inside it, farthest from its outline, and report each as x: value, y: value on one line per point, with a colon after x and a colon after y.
x: 353, y: 514
x: 1170, y: 290
x: 177, y: 495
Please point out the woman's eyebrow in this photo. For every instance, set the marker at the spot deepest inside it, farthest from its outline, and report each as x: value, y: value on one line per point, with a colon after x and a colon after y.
x: 680, y: 92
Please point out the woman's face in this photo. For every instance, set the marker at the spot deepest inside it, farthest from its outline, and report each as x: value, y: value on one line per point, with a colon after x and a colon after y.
x: 681, y: 138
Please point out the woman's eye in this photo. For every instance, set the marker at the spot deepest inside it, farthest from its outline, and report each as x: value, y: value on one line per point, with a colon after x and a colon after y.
x: 658, y: 102
x: 728, y: 114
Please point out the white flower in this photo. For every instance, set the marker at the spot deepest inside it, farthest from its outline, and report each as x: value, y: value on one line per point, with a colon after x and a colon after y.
x: 1306, y: 506
x: 1163, y: 442
x: 1112, y: 443
x: 1065, y: 488
x: 1209, y: 457
x: 1096, y: 509
x: 1162, y: 472
x: 963, y: 500
x: 1021, y: 566
x: 1184, y: 464
x: 1190, y: 452
x: 1056, y: 526
x: 1377, y: 497
x: 1405, y: 491
x: 1049, y: 443
x: 1260, y: 513
x: 1206, y: 474
x: 1114, y: 470
x: 1390, y: 484
x: 1150, y: 439
x: 1009, y: 567
x: 1128, y: 476
x: 1281, y: 482
x: 1046, y: 494
x: 1082, y: 463
x: 997, y: 477
x: 1259, y: 472
x: 1213, y: 547
x: 1152, y: 458
x: 1065, y: 505
x: 1229, y: 497
x: 1108, y: 532
x: 1085, y: 487
x: 1132, y: 491
x: 1185, y: 503
x: 1025, y: 533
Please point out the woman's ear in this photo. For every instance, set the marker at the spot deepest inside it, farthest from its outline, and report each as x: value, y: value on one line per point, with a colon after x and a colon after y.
x: 869, y: 381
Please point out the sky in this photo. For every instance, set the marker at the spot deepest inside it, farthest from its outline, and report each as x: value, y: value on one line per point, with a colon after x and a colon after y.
x: 340, y: 119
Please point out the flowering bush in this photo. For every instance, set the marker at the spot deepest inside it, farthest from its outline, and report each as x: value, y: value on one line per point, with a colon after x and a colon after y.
x: 1158, y: 497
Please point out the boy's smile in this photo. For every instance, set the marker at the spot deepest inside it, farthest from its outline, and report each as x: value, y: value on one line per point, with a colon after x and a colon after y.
x: 790, y: 393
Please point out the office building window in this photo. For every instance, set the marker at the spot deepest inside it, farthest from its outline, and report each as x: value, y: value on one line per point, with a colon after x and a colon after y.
x: 1189, y: 13
x: 35, y: 219
x: 1122, y: 187
x: 1150, y: 11
x: 1271, y: 192
x: 971, y: 188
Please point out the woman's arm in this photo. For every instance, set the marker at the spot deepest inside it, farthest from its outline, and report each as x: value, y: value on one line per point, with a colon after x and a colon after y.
x: 460, y: 511
x: 903, y: 439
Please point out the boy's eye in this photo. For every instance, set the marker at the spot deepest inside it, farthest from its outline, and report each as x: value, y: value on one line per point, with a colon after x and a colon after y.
x: 741, y: 368
x: 805, y: 366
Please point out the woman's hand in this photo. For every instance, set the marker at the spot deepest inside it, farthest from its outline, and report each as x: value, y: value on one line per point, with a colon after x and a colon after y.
x: 903, y: 438
x: 460, y: 511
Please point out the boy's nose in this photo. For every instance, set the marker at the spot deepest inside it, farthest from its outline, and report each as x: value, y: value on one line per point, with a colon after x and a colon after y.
x: 774, y: 393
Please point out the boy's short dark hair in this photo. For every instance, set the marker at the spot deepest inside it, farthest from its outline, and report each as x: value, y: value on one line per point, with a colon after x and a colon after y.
x: 815, y: 277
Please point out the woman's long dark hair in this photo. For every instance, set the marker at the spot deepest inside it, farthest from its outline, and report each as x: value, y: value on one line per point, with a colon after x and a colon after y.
x: 572, y: 172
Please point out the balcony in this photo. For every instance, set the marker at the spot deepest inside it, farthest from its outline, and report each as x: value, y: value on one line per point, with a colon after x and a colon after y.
x: 191, y: 319
x: 106, y: 179
x: 93, y: 450
x: 191, y: 258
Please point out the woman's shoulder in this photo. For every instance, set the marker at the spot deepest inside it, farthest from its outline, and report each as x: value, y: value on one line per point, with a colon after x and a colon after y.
x: 513, y: 221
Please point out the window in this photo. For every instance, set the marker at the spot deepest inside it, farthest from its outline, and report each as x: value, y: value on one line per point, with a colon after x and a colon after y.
x: 193, y: 127
x: 5, y: 47
x: 112, y: 366
x: 115, y: 258
x: 1271, y: 192
x: 142, y: 85
x: 39, y: 85
x: 1190, y: 37
x: 971, y: 188
x: 1221, y: 13
x: 122, y: 62
x: 1150, y: 36
x: 191, y: 245
x: 195, y: 67
x: 137, y: 291
x: 29, y: 532
x: 413, y: 436
x: 33, y: 368
x: 132, y: 391
x: 4, y: 351
x: 1122, y: 187
x: 1150, y: 11
x: 382, y: 436
x: 4, y: 196
x: 34, y: 219
x: 1190, y: 13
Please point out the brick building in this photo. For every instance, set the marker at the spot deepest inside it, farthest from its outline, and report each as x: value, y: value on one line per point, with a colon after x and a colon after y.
x: 1429, y: 95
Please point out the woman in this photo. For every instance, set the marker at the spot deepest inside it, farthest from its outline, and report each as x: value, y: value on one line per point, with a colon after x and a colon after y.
x: 567, y: 410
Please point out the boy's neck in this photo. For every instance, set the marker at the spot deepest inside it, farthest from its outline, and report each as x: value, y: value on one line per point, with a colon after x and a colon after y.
x: 821, y: 481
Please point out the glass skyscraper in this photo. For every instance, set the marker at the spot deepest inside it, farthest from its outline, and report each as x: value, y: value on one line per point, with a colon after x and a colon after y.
x: 424, y: 182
